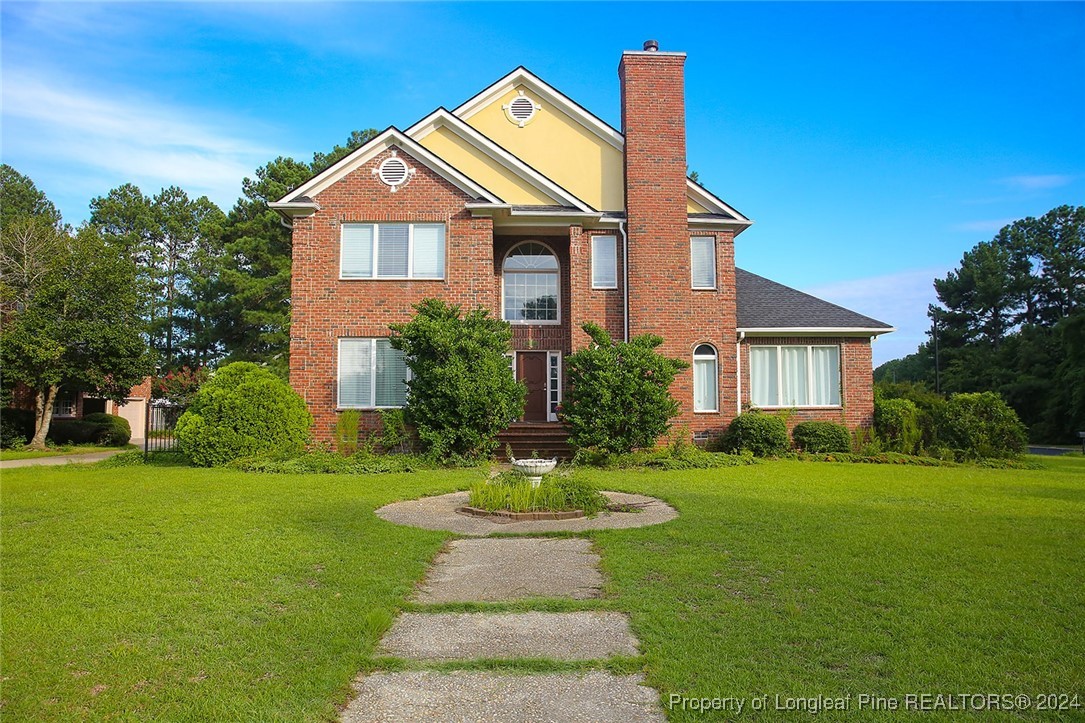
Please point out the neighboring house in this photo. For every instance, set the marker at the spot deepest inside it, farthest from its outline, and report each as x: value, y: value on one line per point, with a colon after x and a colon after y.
x: 76, y: 405
x: 523, y: 202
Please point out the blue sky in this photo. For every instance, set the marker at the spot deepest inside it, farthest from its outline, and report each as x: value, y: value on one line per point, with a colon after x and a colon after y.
x: 872, y: 144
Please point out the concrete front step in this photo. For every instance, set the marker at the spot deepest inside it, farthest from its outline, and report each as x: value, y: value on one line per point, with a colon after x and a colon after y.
x: 462, y: 696
x: 506, y: 636
x: 513, y: 568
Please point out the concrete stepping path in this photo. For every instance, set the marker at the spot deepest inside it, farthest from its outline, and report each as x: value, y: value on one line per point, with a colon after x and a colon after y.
x: 513, y: 568
x: 507, y: 569
x: 596, y: 696
x: 507, y: 636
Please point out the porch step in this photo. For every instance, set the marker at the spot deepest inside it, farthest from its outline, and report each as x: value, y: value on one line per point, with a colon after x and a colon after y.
x: 549, y: 439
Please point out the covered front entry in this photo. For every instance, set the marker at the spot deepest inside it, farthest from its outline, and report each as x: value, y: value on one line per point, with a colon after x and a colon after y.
x: 531, y: 369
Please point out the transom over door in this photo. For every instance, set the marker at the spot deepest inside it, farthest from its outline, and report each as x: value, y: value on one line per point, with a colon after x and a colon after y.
x: 531, y: 370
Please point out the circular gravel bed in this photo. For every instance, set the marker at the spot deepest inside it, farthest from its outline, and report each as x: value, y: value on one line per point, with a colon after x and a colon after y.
x: 439, y: 513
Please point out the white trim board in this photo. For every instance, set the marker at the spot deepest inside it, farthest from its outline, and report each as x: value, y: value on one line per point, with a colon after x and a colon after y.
x: 392, y: 137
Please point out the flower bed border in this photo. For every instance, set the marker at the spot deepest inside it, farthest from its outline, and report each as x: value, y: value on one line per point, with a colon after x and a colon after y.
x: 503, y: 516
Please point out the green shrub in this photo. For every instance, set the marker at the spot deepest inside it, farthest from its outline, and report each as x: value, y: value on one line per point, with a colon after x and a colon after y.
x: 460, y: 395
x: 927, y: 402
x: 115, y: 431
x: 242, y: 411
x: 104, y: 429
x: 896, y: 422
x: 619, y: 393
x: 821, y: 437
x: 394, y: 435
x: 16, y: 427
x: 556, y: 493
x: 764, y: 435
x: 688, y: 457
x: 980, y: 425
x: 325, y: 462
x: 346, y: 432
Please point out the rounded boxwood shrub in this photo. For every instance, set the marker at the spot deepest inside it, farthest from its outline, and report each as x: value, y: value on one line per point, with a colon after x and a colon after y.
x: 896, y: 422
x: 821, y: 437
x: 980, y: 425
x: 113, y: 431
x: 243, y: 411
x: 765, y: 435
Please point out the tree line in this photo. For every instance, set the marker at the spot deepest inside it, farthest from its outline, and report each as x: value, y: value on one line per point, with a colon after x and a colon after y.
x: 150, y: 283
x: 1011, y: 319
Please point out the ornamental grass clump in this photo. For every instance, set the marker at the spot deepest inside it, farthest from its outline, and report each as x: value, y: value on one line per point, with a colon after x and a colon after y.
x: 556, y: 493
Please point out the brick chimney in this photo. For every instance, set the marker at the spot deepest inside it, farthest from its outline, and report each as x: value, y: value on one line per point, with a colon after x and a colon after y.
x: 654, y: 125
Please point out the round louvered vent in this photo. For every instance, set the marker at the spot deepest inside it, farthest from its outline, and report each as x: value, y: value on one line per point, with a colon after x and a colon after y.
x: 393, y: 171
x: 521, y: 109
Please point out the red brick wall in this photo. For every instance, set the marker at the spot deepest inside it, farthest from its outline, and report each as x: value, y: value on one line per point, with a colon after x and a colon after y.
x: 661, y: 298
x: 856, y: 379
x: 325, y: 308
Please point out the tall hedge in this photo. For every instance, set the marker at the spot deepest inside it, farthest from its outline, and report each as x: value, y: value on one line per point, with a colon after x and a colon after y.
x: 980, y: 425
x: 896, y: 422
x: 461, y: 393
x: 619, y: 392
x: 242, y: 411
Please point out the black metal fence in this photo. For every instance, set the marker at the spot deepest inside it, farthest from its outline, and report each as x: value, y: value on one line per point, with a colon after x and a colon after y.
x: 161, y: 427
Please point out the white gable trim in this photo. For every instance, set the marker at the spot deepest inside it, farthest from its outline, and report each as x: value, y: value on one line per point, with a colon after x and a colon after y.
x: 442, y: 118
x: 523, y: 76
x: 713, y: 203
x: 815, y: 331
x: 384, y: 141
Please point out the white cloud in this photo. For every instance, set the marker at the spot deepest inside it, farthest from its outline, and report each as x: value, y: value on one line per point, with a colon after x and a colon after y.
x: 125, y: 138
x: 1038, y: 182
x: 899, y: 299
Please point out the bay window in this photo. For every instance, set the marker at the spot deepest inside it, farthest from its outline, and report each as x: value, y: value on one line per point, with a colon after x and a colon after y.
x: 795, y: 376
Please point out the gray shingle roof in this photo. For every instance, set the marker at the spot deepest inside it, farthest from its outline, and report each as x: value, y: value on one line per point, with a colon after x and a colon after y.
x: 765, y: 304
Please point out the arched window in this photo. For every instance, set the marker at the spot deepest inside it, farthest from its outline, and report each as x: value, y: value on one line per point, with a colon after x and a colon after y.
x: 705, y: 379
x: 530, y: 275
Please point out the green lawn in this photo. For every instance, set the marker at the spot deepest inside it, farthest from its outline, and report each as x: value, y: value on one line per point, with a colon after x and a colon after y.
x: 7, y: 454
x: 181, y: 594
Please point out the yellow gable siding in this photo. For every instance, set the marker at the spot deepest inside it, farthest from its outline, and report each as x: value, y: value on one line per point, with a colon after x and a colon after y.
x: 482, y: 169
x: 560, y: 148
x: 694, y: 207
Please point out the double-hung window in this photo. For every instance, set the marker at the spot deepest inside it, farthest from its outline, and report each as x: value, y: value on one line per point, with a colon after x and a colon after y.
x: 702, y: 261
x: 392, y: 251
x: 604, y: 262
x: 795, y: 376
x: 371, y: 374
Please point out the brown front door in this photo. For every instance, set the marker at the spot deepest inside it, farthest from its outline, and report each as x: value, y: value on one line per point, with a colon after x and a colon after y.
x: 531, y: 370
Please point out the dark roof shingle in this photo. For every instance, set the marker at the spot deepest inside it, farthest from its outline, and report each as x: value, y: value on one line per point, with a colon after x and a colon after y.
x: 765, y: 304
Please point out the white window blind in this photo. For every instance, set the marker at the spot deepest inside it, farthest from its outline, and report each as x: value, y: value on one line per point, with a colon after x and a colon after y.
x: 371, y: 374
x: 795, y: 376
x: 355, y: 373
x: 705, y: 380
x: 357, y: 251
x: 604, y: 262
x: 392, y: 251
x: 763, y: 376
x: 703, y: 261
x: 429, y: 251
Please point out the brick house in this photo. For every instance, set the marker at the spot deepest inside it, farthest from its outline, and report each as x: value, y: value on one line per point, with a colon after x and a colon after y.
x: 523, y: 202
